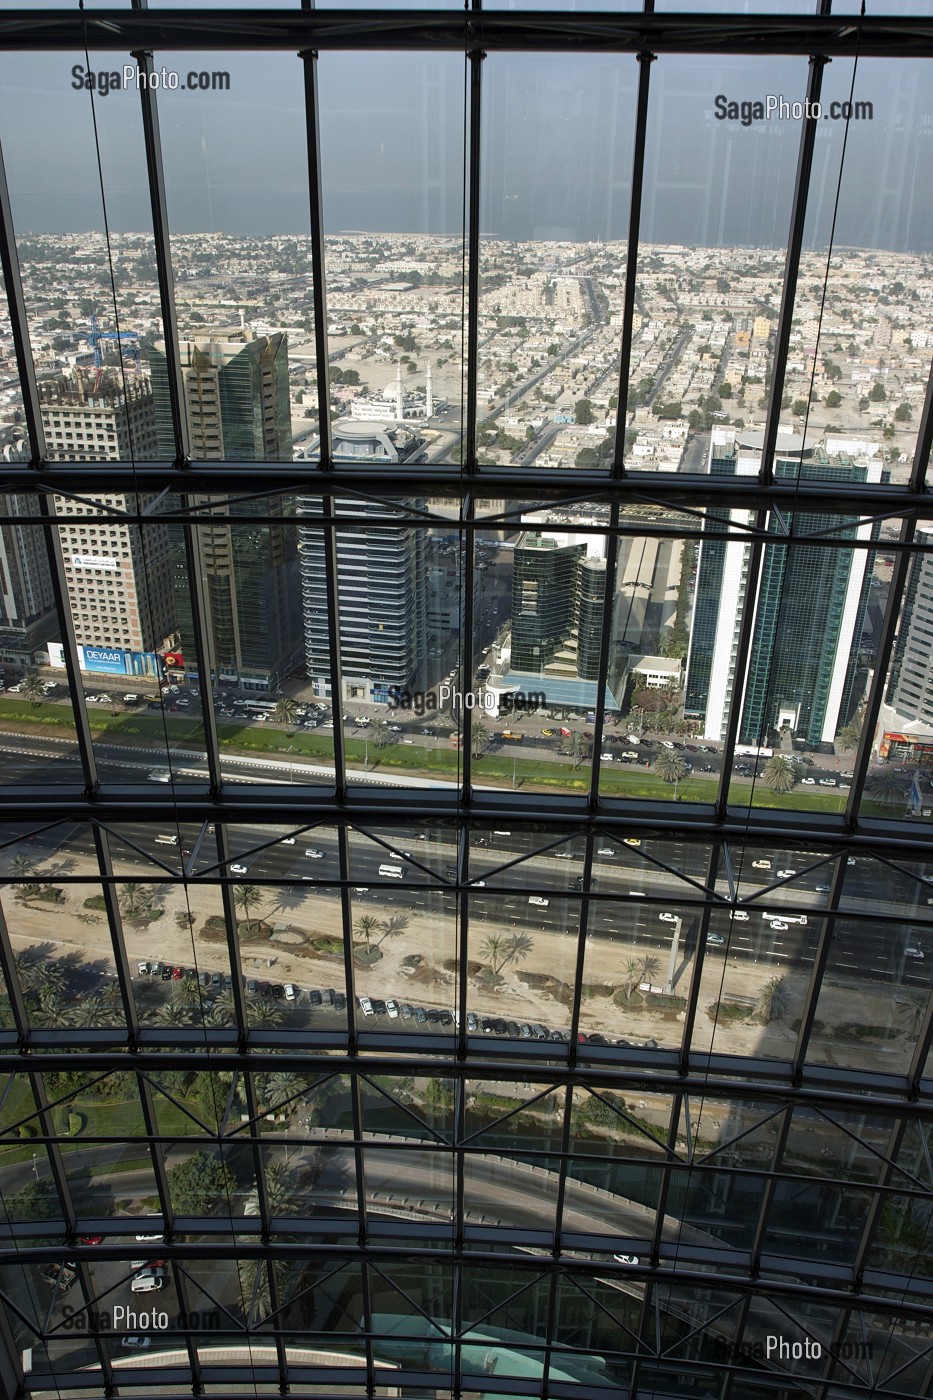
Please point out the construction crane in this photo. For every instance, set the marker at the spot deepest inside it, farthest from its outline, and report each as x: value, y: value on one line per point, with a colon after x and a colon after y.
x: 97, y: 335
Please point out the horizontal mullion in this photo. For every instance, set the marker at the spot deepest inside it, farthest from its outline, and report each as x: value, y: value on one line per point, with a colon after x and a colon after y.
x: 115, y: 31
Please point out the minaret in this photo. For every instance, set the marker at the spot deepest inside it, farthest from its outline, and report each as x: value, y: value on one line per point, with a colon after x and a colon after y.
x: 429, y: 396
x: 399, y: 407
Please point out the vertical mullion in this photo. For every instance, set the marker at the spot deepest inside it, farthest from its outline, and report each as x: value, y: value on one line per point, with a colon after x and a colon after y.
x: 230, y: 923
x: 468, y: 555
x: 318, y: 287
x: 690, y: 1011
x: 160, y: 235
x: 791, y: 270
x: 605, y: 644
x: 204, y: 651
x: 101, y: 838
x: 59, y: 582
x: 918, y: 472
x: 332, y: 590
x: 468, y: 456
x: 645, y: 61
x: 13, y: 989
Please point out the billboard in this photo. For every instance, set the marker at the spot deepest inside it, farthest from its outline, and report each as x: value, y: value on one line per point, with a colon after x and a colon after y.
x: 175, y: 660
x: 915, y: 748
x: 109, y: 661
x: 94, y: 561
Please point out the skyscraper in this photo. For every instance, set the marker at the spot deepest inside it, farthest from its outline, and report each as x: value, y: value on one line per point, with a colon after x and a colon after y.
x: 810, y: 605
x: 27, y: 608
x: 380, y: 593
x: 910, y: 686
x: 237, y: 406
x: 119, y: 579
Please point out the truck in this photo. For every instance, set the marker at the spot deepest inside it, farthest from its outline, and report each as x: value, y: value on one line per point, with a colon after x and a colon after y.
x: 511, y: 737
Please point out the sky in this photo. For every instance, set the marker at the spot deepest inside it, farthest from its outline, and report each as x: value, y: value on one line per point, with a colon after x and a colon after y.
x: 557, y: 134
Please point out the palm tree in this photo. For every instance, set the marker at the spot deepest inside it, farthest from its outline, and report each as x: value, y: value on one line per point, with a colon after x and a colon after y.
x: 364, y: 928
x: 779, y: 774
x: 52, y: 1010
x: 580, y: 748
x: 632, y: 974
x: 283, y: 1088
x: 848, y: 737
x: 134, y: 900
x: 263, y: 1013
x: 285, y: 1194
x: 247, y: 898
x: 480, y: 737
x: 671, y: 767
x: 23, y: 866
x: 380, y: 735
x: 31, y: 688
x: 650, y: 966
x: 518, y: 946
x: 285, y: 712
x: 772, y: 1000
x: 887, y: 788
x: 495, y: 948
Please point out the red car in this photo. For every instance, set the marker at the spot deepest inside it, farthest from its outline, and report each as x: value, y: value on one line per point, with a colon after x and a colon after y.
x: 90, y: 1239
x: 177, y: 974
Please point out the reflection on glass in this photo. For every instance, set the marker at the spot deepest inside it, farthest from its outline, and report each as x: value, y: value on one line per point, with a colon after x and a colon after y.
x: 556, y: 176
x: 393, y: 180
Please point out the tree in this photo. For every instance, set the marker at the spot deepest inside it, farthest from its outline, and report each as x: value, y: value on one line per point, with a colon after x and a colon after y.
x: 480, y: 737
x: 670, y: 766
x: 495, y: 948
x: 23, y: 866
x: 580, y: 747
x: 381, y: 736
x: 886, y: 788
x: 202, y: 1185
x: 364, y: 928
x: 877, y: 393
x: 848, y: 737
x: 725, y: 390
x: 285, y: 712
x: 650, y: 967
x: 247, y: 898
x: 832, y: 371
x: 903, y: 413
x: 31, y: 688
x: 519, y: 946
x: 390, y: 927
x: 798, y: 408
x: 583, y: 412
x: 833, y: 399
x: 779, y: 774
x: 587, y: 458
x: 772, y: 1000
x: 134, y: 900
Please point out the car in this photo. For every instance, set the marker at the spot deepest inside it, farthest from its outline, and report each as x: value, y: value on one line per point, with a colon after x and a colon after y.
x: 547, y: 733
x: 629, y: 755
x: 90, y: 1239
x: 827, y: 782
x: 524, y: 1031
x: 265, y: 988
x: 315, y: 998
x: 239, y: 869
x: 668, y: 918
x: 596, y: 1038
x: 741, y: 915
x: 314, y: 854
x: 821, y: 889
x: 379, y: 1006
x: 366, y: 1006
x: 277, y: 990
x: 392, y: 1010
x: 472, y: 1022
x: 606, y: 757
x: 626, y: 1258
x: 761, y: 864
x: 340, y: 1001
x: 666, y: 744
x: 177, y: 974
x: 606, y: 851
x: 478, y: 884
x: 252, y: 987
x: 785, y: 874
x: 632, y: 840
x: 779, y: 926
x: 421, y: 1016
x: 446, y: 1018
x: 714, y: 940
x: 287, y: 841
x: 290, y: 992
x: 560, y: 1036
x: 539, y: 1032
x: 433, y: 1015
x: 142, y: 969
x: 140, y: 1343
x: 915, y: 953
x: 539, y: 901
x: 811, y: 782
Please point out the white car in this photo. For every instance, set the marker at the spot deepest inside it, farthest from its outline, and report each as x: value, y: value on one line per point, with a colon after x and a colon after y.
x: 668, y: 918
x: 366, y: 1006
x: 626, y: 1258
x: 288, y: 840
x: 741, y: 915
x: 478, y: 884
x: 539, y: 900
x: 239, y: 869
x: 810, y: 782
x: 785, y: 874
x: 314, y: 854
x: 606, y: 851
x: 761, y: 865
x: 290, y: 992
x: 606, y: 757
x: 779, y: 926
x: 392, y: 1010
x: 915, y: 953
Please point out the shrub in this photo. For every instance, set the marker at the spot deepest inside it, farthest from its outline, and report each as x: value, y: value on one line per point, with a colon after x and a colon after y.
x: 96, y: 901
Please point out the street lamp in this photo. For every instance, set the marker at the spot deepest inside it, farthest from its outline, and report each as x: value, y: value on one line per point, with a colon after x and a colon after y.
x: 672, y: 961
x: 35, y: 1166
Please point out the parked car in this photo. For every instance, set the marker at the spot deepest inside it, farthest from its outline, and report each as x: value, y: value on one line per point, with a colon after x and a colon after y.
x: 366, y: 1006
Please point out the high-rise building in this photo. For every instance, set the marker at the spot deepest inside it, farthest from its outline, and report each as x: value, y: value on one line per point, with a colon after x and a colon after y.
x: 237, y: 407
x: 810, y: 604
x: 381, y: 595
x: 27, y: 605
x: 910, y: 686
x: 119, y: 578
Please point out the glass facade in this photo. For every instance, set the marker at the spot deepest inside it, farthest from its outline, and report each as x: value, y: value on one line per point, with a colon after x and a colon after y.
x: 466, y: 659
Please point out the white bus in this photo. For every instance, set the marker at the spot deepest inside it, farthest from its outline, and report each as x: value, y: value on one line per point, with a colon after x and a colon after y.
x: 786, y: 918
